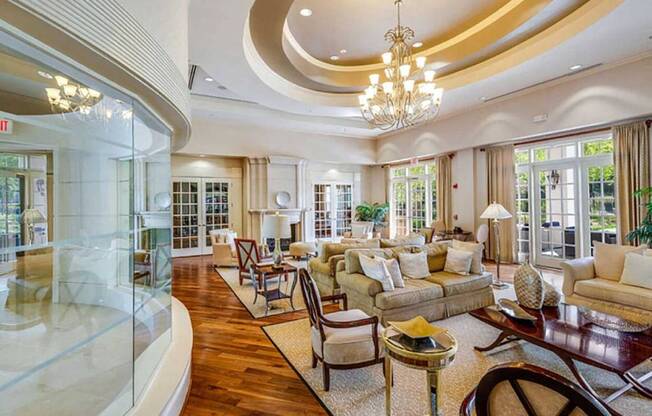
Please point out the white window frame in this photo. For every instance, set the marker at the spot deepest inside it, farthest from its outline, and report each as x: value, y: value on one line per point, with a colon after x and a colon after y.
x: 333, y: 208
x: 428, y: 179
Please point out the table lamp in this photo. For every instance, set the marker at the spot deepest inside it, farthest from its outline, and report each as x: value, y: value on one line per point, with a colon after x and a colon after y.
x: 496, y: 212
x: 277, y: 226
x: 29, y: 217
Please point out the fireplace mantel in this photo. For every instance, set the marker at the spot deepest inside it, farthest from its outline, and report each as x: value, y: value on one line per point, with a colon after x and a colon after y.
x: 297, y: 216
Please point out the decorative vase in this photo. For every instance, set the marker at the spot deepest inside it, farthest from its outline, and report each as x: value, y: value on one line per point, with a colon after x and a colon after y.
x: 529, y: 287
x: 551, y: 296
x: 278, y: 254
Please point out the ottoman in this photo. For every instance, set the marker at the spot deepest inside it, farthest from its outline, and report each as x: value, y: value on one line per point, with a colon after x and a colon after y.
x: 302, y: 249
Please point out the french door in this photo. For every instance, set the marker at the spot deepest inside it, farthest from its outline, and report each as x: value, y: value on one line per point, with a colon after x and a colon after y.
x: 557, y: 226
x: 411, y: 205
x: 333, y: 208
x: 199, y: 205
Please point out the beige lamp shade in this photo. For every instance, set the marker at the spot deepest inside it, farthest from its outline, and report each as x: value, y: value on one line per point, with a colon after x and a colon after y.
x: 496, y: 211
x: 276, y: 226
x: 32, y: 216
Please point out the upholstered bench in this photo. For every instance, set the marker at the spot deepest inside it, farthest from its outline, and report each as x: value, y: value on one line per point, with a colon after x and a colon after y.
x: 302, y: 249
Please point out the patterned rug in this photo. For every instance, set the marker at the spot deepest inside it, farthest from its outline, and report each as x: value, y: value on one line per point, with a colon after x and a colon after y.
x: 361, y: 392
x: 245, y: 293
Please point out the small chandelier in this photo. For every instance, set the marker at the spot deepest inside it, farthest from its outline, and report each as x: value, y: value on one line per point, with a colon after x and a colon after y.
x: 401, y: 101
x: 71, y: 97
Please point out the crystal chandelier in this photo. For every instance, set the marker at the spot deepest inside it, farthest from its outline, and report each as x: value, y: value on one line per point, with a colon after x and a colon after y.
x: 402, y: 100
x: 71, y: 97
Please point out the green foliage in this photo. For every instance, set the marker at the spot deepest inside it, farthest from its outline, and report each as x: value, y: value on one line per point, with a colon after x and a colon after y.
x: 643, y: 234
x: 598, y: 147
x: 375, y: 213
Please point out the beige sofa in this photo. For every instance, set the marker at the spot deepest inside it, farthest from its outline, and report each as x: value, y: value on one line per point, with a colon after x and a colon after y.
x: 438, y: 296
x: 582, y: 286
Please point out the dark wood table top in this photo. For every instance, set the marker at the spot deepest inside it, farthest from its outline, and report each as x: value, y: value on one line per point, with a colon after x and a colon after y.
x: 564, y: 329
x: 269, y: 269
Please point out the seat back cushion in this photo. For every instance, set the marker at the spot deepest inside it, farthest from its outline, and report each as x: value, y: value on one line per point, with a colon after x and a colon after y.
x: 609, y: 259
x: 333, y: 249
x: 409, y: 240
x: 352, y: 258
x: 436, y: 255
x: 376, y: 269
x: 636, y: 271
x: 474, y: 248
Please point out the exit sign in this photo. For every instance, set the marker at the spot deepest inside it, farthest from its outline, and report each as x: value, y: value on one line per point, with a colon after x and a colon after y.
x: 6, y: 126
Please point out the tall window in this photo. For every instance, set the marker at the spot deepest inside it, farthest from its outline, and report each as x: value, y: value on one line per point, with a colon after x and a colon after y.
x: 564, y: 195
x: 413, y: 199
x: 333, y: 209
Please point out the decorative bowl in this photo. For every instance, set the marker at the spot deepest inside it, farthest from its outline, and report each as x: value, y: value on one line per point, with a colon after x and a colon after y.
x: 514, y: 310
x: 416, y: 327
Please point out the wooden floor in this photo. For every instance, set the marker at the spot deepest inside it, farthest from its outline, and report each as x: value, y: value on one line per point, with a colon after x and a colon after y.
x: 236, y: 369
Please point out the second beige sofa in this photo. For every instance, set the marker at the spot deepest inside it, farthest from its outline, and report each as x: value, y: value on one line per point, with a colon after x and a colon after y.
x: 438, y: 296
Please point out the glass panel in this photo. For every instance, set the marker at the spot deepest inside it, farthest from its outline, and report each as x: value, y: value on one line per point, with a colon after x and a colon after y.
x: 522, y: 156
x: 186, y: 212
x: 216, y: 201
x: 602, y: 207
x: 417, y: 205
x: 399, y: 198
x: 417, y: 170
x: 344, y: 208
x: 67, y: 292
x: 323, y: 207
x: 598, y: 147
x: 557, y: 211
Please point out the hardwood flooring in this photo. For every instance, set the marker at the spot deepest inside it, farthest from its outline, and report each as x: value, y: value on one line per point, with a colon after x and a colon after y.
x: 236, y: 369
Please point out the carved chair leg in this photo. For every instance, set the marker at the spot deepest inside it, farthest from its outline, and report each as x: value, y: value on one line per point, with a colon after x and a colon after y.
x: 327, y: 377
x: 314, y: 360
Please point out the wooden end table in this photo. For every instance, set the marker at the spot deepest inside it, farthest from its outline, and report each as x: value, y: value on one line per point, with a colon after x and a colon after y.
x: 566, y: 333
x: 260, y: 273
x: 433, y: 361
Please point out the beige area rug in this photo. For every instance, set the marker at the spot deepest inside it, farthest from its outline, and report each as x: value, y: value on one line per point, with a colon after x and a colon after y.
x: 361, y: 392
x: 245, y: 293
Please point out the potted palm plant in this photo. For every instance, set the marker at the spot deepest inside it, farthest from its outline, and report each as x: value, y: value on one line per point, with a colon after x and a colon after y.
x: 375, y: 213
x: 643, y: 233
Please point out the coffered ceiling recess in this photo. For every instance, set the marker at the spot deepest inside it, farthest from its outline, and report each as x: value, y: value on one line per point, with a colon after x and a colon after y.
x: 276, y: 54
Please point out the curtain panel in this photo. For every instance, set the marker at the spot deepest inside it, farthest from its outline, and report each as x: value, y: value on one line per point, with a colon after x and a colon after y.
x: 501, y: 180
x: 444, y: 191
x: 632, y: 161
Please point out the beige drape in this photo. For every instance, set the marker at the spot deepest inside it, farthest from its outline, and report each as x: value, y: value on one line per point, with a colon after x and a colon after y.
x: 444, y: 194
x: 501, y: 180
x: 632, y: 160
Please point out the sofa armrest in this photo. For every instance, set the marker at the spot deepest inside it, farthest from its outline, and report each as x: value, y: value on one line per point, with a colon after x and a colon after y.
x: 574, y: 270
x: 341, y: 266
x: 332, y: 263
x: 359, y: 283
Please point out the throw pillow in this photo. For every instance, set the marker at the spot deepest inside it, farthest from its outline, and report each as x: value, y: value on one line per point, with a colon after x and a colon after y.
x: 458, y: 261
x: 636, y: 271
x: 395, y: 272
x: 412, y: 239
x: 609, y: 259
x: 476, y: 249
x: 437, y: 255
x: 376, y: 269
x: 414, y: 265
x: 528, y: 285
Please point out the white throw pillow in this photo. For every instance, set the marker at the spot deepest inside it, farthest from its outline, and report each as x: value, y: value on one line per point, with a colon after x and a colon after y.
x: 476, y: 250
x: 458, y: 261
x: 395, y: 272
x: 375, y: 268
x: 637, y: 271
x: 414, y: 265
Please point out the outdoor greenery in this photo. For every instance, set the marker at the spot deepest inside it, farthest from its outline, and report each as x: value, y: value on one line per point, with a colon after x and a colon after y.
x: 643, y: 234
x: 375, y: 213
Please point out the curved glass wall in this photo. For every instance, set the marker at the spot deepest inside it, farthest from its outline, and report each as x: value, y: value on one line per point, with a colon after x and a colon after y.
x: 84, y: 239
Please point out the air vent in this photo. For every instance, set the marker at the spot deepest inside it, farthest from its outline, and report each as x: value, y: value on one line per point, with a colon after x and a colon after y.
x: 541, y: 83
x: 192, y: 70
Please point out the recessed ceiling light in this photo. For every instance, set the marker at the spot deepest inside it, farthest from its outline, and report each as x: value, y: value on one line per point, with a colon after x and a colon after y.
x: 45, y: 74
x: 334, y: 58
x: 343, y: 51
x: 305, y: 12
x: 575, y: 67
x: 209, y: 79
x: 417, y: 44
x: 483, y: 98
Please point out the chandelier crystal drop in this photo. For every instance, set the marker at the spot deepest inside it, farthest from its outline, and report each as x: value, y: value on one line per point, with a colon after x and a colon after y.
x: 408, y: 94
x: 72, y: 97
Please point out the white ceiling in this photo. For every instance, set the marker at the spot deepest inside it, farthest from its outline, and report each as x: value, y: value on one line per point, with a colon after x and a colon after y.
x: 622, y: 34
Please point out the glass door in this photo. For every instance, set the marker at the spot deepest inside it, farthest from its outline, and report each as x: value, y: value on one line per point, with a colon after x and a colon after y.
x: 215, y: 209
x: 600, y: 209
x: 557, y: 231
x: 417, y: 203
x: 344, y: 209
x: 185, y: 217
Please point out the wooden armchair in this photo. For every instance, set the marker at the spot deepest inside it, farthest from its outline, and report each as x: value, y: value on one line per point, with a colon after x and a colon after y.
x: 520, y: 389
x: 340, y: 340
x: 248, y: 255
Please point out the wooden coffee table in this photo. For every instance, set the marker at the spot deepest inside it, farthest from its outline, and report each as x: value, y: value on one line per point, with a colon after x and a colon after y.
x: 565, y: 332
x: 262, y: 273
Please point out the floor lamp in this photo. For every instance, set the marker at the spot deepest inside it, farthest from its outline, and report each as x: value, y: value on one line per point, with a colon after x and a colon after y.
x: 496, y: 212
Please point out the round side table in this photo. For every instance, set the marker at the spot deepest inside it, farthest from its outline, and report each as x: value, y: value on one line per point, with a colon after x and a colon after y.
x: 432, y: 360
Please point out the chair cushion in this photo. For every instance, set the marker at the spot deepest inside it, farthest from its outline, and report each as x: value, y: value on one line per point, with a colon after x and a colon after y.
x: 609, y: 259
x: 409, y: 240
x: 415, y: 291
x: 346, y: 345
x: 454, y: 284
x: 610, y: 291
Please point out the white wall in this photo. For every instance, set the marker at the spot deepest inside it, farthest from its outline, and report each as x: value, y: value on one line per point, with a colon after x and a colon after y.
x: 611, y: 95
x: 464, y: 195
x: 215, y: 137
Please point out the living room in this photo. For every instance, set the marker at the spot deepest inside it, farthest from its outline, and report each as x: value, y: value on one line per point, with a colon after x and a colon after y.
x: 328, y: 208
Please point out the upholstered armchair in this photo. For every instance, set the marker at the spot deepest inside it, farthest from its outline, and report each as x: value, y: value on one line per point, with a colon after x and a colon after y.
x: 521, y: 389
x: 341, y: 340
x: 223, y: 245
